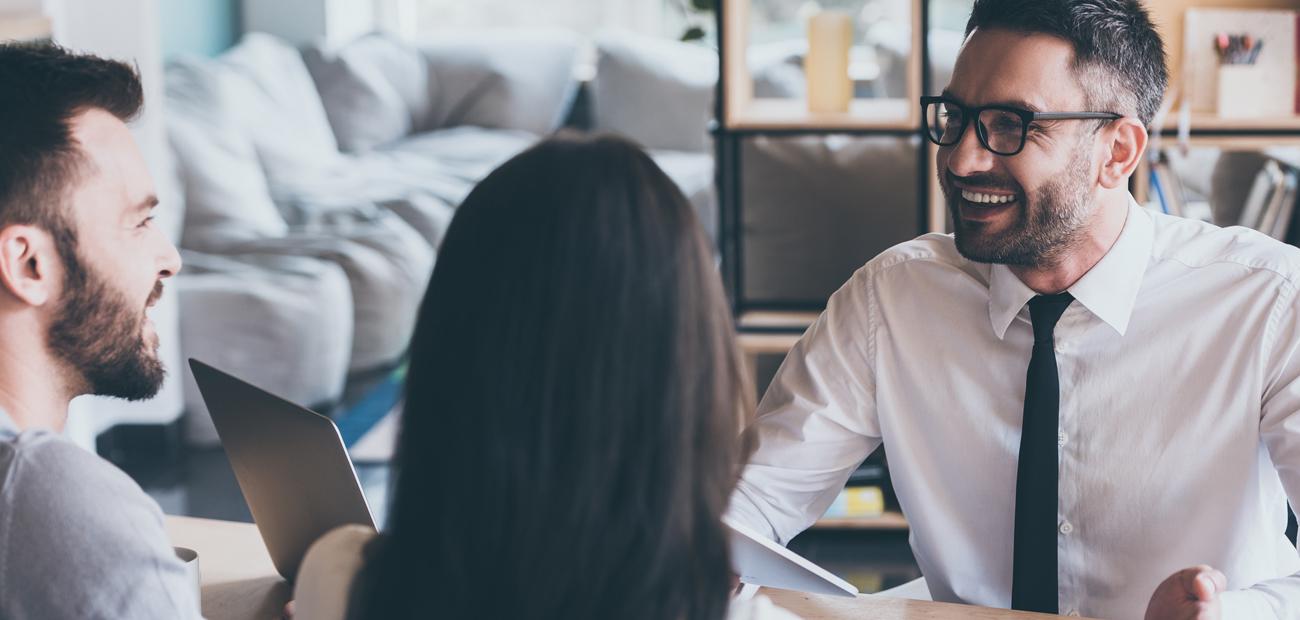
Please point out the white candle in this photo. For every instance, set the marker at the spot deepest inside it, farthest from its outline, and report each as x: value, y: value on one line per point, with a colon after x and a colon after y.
x: 826, y: 67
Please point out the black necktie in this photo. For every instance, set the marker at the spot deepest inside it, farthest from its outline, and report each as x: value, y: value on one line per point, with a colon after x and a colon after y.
x: 1033, y: 564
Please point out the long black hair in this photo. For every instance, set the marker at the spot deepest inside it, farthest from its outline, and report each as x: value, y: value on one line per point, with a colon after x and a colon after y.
x: 573, y: 405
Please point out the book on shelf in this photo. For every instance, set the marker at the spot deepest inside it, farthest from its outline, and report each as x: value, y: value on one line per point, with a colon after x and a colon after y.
x: 1156, y: 199
x: 1252, y: 213
x: 857, y: 502
x: 1268, y: 63
x: 1271, y: 205
x: 1285, y: 208
x: 1167, y: 191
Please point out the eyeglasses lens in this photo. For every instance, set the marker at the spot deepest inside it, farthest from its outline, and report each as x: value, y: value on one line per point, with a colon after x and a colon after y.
x: 944, y: 122
x: 1003, y: 131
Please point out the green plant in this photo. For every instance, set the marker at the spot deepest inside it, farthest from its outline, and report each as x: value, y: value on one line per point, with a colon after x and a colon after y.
x: 696, y: 9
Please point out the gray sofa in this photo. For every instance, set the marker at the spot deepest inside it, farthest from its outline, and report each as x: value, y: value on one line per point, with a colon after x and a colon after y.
x: 318, y: 183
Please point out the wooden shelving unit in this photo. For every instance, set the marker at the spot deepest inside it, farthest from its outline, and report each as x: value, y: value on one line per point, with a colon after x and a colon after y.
x: 1168, y: 15
x: 741, y: 111
x: 740, y: 115
x: 792, y: 115
x: 1203, y: 122
x: 24, y: 27
x: 1141, y: 186
x: 1209, y: 129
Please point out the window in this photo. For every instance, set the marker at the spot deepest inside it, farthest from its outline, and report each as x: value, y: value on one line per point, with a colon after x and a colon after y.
x: 651, y: 17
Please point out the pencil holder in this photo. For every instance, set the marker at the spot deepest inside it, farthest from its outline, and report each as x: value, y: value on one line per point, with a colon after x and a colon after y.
x: 1245, y: 91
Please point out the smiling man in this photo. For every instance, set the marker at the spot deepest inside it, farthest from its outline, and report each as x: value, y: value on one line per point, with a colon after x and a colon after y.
x: 1089, y: 408
x: 80, y: 264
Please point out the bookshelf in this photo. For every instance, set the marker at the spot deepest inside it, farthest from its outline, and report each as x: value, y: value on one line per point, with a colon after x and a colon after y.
x: 24, y: 27
x: 1207, y: 131
x: 772, y: 327
x: 741, y: 110
x: 1169, y: 18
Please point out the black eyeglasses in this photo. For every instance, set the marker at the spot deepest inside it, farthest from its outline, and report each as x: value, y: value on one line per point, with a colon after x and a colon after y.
x: 1001, y: 129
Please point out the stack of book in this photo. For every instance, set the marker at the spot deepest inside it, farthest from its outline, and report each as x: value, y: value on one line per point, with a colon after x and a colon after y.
x: 857, y: 503
x: 1168, y: 195
x: 863, y: 497
x: 1270, y: 205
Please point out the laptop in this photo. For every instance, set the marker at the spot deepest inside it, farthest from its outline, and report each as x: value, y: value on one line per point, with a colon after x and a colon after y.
x: 291, y: 464
x: 761, y: 562
x: 299, y: 483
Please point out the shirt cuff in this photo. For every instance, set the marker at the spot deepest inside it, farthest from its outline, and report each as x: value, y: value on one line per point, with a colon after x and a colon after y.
x: 1247, y: 605
x: 744, y: 511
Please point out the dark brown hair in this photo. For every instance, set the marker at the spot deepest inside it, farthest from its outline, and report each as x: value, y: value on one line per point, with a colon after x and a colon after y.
x: 571, y: 428
x: 42, y: 88
x: 1118, y: 54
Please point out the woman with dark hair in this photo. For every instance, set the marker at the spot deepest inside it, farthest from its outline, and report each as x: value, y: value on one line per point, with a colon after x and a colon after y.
x: 570, y: 435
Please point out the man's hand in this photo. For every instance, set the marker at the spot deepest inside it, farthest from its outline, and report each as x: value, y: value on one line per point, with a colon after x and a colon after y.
x: 1189, y: 594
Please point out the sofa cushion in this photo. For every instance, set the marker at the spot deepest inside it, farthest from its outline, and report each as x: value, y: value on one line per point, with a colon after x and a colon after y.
x: 283, y: 113
x: 506, y: 80
x: 655, y: 91
x: 246, y: 313
x: 226, y: 193
x: 387, y: 263
x: 374, y: 89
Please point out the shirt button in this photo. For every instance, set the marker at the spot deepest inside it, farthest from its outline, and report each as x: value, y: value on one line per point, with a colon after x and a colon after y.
x: 1066, y: 528
x: 1061, y: 438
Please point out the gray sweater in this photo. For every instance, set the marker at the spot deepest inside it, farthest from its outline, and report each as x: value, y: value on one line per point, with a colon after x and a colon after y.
x: 79, y: 538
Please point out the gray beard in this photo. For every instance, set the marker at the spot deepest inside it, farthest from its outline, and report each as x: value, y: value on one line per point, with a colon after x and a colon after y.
x: 1047, y: 224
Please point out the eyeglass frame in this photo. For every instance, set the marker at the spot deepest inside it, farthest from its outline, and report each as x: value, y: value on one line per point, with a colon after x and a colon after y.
x: 1027, y: 118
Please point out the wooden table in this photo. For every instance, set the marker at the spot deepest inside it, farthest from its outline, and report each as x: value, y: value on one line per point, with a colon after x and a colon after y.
x: 240, y: 583
x: 816, y: 607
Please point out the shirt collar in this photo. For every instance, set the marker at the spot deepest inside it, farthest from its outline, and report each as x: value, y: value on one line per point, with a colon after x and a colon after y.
x: 1109, y: 290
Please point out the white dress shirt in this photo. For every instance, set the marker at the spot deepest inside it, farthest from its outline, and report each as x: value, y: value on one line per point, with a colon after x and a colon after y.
x: 1179, y: 416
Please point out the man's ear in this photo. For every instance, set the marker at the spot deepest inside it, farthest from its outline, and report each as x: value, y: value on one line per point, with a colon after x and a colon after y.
x: 28, y: 264
x: 1127, y: 142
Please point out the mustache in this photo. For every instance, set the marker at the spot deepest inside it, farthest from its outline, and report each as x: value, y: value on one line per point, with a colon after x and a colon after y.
x: 983, y: 180
x: 156, y: 294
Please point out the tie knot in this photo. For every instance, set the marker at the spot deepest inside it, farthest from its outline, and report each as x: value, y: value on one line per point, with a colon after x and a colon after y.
x: 1045, y: 311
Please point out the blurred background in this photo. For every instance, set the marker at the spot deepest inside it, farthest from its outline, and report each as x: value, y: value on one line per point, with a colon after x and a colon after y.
x: 310, y: 154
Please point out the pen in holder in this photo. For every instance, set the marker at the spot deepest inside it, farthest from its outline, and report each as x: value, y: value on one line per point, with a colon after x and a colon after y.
x: 1243, y: 83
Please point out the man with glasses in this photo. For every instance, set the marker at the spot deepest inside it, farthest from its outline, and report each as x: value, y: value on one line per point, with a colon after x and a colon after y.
x: 1089, y: 408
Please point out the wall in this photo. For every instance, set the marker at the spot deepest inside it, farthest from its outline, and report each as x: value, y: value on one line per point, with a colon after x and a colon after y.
x: 20, y: 6
x: 203, y: 27
x: 305, y: 22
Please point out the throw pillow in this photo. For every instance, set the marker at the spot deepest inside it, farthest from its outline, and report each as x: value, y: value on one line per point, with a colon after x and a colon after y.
x: 375, y: 90
x: 658, y: 92
x: 502, y: 80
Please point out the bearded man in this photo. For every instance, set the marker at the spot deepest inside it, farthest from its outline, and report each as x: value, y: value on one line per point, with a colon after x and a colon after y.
x: 1089, y: 408
x: 80, y: 264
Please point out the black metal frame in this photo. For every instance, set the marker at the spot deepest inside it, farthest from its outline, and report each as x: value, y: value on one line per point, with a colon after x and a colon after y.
x: 1026, y: 117
x: 728, y: 147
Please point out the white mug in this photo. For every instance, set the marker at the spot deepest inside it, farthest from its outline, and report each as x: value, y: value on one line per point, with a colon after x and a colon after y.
x: 190, y: 558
